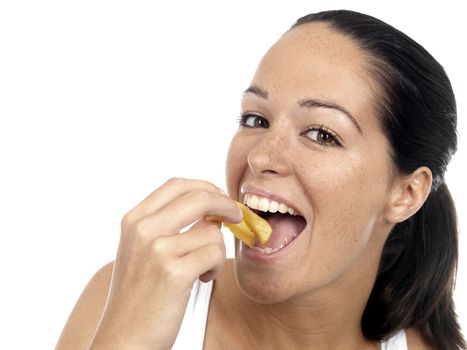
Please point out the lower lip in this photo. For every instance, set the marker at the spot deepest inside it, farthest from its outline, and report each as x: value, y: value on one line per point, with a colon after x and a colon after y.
x: 256, y: 255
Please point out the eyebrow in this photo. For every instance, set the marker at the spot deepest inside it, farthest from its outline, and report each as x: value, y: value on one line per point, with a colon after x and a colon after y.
x: 257, y: 91
x: 308, y: 103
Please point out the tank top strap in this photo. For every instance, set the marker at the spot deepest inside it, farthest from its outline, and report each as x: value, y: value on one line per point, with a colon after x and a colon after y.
x: 193, y: 328
x: 397, y: 342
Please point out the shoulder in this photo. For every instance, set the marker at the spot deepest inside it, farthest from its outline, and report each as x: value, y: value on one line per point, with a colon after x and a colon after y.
x: 415, y: 340
x: 82, y: 322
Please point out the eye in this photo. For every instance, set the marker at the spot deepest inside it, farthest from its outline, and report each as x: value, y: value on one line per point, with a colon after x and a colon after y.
x: 323, y: 136
x: 253, y: 121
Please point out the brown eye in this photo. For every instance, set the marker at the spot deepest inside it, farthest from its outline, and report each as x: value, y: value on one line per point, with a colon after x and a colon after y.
x: 253, y: 121
x: 322, y: 136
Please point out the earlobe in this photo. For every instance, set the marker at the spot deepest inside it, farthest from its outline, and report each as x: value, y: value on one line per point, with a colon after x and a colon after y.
x: 408, y: 195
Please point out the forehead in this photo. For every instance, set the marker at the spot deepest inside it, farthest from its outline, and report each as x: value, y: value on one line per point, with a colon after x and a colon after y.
x: 313, y: 60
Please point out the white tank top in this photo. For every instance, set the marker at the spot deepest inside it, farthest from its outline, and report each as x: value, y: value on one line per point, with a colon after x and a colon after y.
x: 191, y: 334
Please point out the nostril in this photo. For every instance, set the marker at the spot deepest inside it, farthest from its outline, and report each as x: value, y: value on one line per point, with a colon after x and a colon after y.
x: 269, y: 172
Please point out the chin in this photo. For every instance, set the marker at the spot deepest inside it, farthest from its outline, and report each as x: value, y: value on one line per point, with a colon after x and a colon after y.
x: 263, y: 288
x: 261, y: 292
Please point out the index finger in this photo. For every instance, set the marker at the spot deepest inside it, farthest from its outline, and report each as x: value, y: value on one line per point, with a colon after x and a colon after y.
x: 171, y: 189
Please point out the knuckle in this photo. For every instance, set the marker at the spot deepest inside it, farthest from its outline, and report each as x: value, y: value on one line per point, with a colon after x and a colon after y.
x: 208, y: 185
x: 214, y: 231
x: 139, y: 229
x: 203, y: 195
x: 175, y: 181
x: 215, y: 228
x: 201, y: 184
x: 217, y: 251
x: 126, y: 221
x: 173, y: 272
x: 159, y: 246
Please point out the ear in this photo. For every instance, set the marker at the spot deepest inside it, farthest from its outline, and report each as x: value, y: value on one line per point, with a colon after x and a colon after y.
x: 408, y: 195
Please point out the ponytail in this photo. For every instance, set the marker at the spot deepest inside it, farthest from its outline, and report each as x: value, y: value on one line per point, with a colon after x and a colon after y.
x: 415, y: 282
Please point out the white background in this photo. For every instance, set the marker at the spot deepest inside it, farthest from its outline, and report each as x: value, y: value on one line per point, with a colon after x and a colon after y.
x: 103, y: 101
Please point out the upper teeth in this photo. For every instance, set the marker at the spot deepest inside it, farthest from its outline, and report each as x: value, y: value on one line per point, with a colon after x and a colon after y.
x: 267, y: 205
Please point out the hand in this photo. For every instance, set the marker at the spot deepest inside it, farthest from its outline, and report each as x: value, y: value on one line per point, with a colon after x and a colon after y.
x: 156, y: 266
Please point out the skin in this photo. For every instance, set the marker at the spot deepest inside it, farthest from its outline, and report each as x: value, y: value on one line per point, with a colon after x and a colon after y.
x: 313, y: 295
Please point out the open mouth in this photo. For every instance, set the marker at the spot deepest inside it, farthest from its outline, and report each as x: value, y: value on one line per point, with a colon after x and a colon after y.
x: 285, y: 221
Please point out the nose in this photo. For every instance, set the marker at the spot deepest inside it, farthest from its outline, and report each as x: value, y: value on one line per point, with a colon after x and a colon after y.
x: 269, y: 155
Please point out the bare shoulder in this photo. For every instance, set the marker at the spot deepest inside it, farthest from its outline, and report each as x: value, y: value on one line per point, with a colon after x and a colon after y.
x: 415, y: 341
x: 82, y: 322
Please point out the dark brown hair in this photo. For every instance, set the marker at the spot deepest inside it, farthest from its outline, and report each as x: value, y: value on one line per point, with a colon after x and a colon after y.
x: 417, y: 113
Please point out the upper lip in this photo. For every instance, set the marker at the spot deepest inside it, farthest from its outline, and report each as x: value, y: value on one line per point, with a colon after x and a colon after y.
x: 247, y: 188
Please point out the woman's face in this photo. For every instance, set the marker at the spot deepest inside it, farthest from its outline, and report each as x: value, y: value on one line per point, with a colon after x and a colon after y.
x: 302, y: 148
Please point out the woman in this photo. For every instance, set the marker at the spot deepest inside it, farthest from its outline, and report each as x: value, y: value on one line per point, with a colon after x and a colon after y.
x: 349, y: 123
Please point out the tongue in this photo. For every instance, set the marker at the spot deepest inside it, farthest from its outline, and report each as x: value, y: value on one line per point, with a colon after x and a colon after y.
x: 284, y: 227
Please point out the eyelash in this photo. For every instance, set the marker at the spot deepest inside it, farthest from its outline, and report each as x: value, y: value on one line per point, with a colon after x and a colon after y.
x: 244, y: 117
x: 321, y: 129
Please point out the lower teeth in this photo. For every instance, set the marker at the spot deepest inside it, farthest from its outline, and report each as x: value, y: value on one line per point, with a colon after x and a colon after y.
x: 269, y: 250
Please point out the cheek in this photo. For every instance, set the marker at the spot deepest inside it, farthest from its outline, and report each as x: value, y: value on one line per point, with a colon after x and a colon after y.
x: 235, y: 165
x: 351, y: 183
x: 347, y: 199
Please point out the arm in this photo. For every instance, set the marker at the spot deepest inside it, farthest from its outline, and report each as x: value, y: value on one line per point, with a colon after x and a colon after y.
x: 81, y: 325
x: 139, y: 302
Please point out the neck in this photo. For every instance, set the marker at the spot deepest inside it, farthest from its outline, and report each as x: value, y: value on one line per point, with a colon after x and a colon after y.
x: 329, y: 318
x: 308, y: 321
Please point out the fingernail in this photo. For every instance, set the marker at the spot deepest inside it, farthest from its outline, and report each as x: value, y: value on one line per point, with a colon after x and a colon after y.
x: 241, y: 214
x: 220, y: 189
